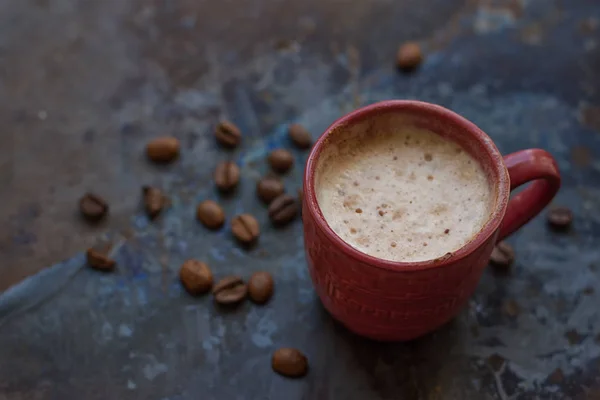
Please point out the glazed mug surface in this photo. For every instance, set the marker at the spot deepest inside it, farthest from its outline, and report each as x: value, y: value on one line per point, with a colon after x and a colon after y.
x: 395, y: 301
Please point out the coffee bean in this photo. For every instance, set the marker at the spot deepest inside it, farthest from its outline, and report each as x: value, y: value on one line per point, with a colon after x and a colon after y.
x: 281, y: 160
x: 93, y: 207
x: 163, y: 149
x: 409, y: 56
x: 289, y: 362
x: 502, y: 256
x: 269, y: 188
x: 227, y: 176
x: 283, y: 209
x: 99, y: 260
x: 300, y: 195
x: 300, y: 136
x: 228, y: 134
x: 230, y: 290
x: 196, y: 277
x: 245, y: 228
x: 560, y: 218
x: 260, y: 287
x: 210, y: 214
x: 154, y: 200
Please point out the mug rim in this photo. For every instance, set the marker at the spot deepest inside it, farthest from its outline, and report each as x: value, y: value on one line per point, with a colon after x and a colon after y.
x: 493, y: 158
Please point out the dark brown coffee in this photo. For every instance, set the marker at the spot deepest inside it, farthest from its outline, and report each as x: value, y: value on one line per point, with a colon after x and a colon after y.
x: 100, y: 260
x: 283, y: 209
x: 281, y: 160
x: 245, y: 228
x: 260, y: 287
x: 93, y: 207
x: 227, y: 134
x: 227, y: 176
x: 300, y: 136
x: 230, y: 290
x: 163, y: 149
x: 210, y: 214
x: 196, y: 277
x: 289, y: 362
x: 269, y: 188
x: 154, y: 201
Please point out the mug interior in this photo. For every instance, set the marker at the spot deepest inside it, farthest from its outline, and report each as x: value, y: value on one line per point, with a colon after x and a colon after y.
x: 356, y: 128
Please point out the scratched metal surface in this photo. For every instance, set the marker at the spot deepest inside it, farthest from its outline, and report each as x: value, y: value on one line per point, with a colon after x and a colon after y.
x: 83, y: 85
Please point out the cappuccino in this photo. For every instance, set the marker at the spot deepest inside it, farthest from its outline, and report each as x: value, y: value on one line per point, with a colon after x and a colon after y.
x: 406, y: 195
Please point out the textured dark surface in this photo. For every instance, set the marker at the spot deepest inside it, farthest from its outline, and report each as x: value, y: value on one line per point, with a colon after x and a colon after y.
x: 85, y: 84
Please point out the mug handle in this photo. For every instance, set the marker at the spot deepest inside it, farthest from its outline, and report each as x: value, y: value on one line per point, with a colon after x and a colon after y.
x: 539, y: 167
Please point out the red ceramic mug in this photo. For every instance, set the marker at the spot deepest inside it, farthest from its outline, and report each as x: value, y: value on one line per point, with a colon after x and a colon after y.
x: 387, y: 300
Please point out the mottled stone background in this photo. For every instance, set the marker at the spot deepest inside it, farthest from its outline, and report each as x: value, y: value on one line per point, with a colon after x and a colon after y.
x: 85, y: 84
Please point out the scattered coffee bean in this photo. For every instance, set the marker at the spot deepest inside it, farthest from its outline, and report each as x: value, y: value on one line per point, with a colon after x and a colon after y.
x: 230, y: 290
x: 269, y: 188
x: 245, y: 228
x: 560, y: 218
x: 260, y: 287
x: 289, y: 362
x: 409, y: 56
x: 154, y: 201
x: 99, y: 260
x: 227, y: 176
x: 300, y: 136
x: 196, y: 277
x: 210, y: 214
x: 228, y: 134
x: 93, y: 207
x: 163, y: 149
x: 281, y: 160
x: 502, y: 256
x: 283, y: 209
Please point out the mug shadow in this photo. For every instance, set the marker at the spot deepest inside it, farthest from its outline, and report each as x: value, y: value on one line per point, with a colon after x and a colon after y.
x: 382, y: 370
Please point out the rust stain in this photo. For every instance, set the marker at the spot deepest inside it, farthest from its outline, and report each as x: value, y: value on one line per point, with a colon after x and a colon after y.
x: 588, y: 25
x: 581, y: 156
x: 590, y: 116
x: 557, y: 376
x: 573, y: 337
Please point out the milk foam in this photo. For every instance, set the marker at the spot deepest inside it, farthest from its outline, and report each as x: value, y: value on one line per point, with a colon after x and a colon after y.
x: 409, y: 195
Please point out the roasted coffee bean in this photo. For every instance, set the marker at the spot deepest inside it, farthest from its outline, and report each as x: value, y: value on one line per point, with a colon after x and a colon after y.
x: 283, y: 209
x: 300, y: 195
x: 300, y: 136
x: 196, y: 277
x: 260, y: 287
x: 154, y: 200
x: 502, y: 256
x: 228, y: 134
x: 163, y: 149
x: 93, y: 207
x: 245, y: 228
x: 409, y: 56
x: 281, y: 160
x: 269, y: 188
x: 560, y: 218
x: 289, y: 362
x: 230, y: 290
x: 227, y: 176
x: 210, y: 214
x: 99, y: 260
